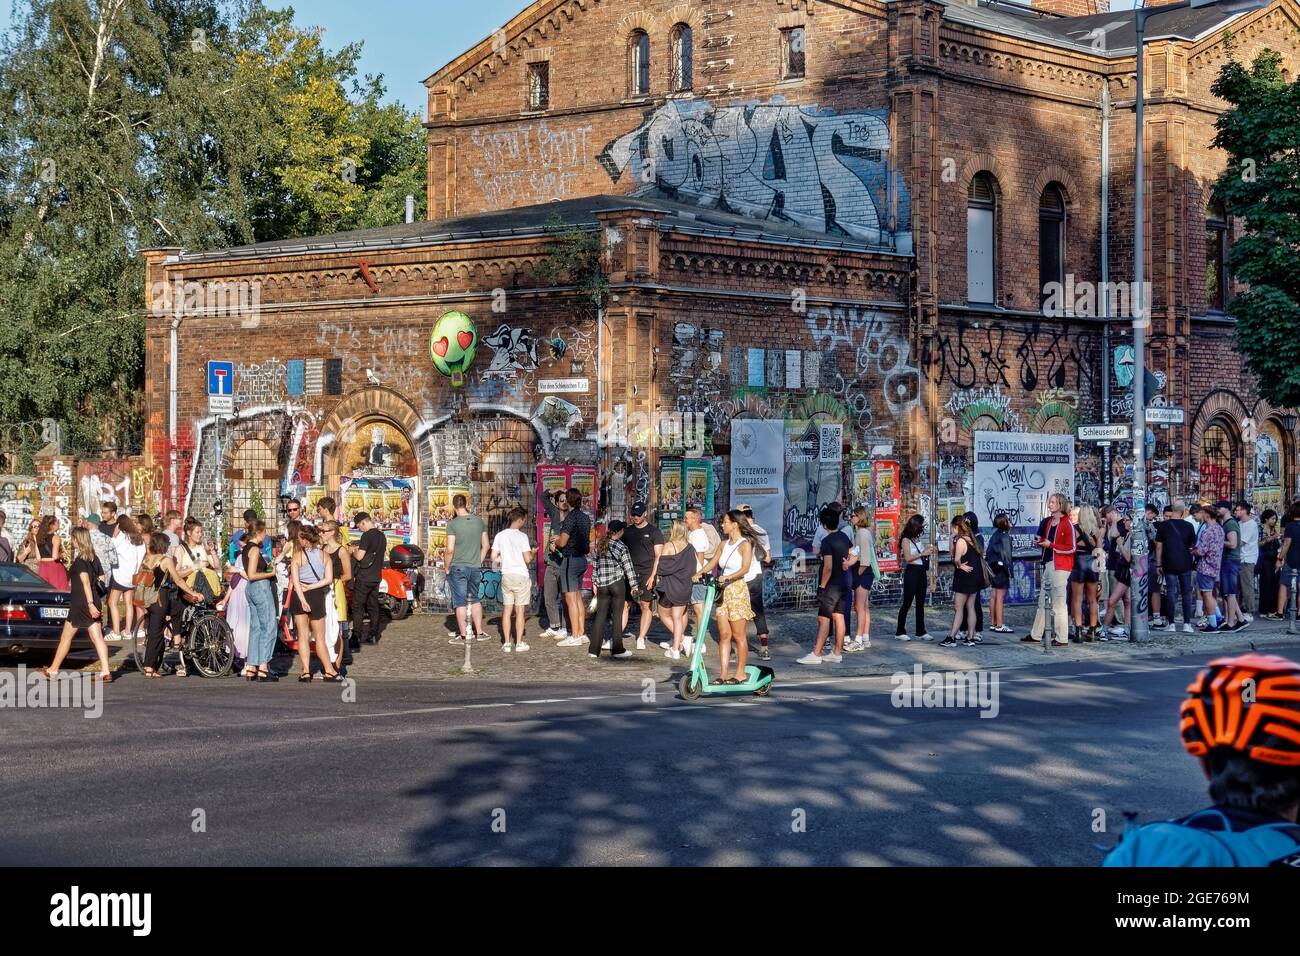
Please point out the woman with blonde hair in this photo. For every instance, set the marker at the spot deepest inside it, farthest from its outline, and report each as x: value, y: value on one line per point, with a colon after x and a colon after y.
x: 1085, y: 579
x: 84, y: 614
x: 732, y: 559
x: 864, y: 576
x: 673, y: 585
x: 336, y: 611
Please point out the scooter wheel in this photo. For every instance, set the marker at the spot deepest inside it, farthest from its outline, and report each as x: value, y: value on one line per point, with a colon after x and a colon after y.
x: 688, y: 687
x: 762, y: 691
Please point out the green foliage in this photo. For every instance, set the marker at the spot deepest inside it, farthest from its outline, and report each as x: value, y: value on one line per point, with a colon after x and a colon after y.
x: 573, y: 258
x: 1261, y: 185
x: 255, y: 502
x: 131, y: 124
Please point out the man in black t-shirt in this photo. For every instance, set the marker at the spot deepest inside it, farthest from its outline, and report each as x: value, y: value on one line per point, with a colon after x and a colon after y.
x: 645, y: 542
x: 1288, y: 558
x: 574, y: 544
x: 1175, y: 539
x: 834, y: 581
x: 367, y: 569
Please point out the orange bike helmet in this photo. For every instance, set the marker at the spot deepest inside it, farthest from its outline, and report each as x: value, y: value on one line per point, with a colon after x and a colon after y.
x: 1260, y: 719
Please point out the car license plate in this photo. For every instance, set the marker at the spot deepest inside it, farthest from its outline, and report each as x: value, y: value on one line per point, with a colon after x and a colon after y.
x: 59, y: 613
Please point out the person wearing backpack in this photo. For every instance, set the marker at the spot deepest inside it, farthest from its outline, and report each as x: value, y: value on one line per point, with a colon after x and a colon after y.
x: 1241, y: 720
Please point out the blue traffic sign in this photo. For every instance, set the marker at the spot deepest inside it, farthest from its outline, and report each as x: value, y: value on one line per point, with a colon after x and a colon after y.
x: 221, y: 378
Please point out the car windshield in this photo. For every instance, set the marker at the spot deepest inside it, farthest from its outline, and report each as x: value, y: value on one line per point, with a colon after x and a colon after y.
x: 17, y: 574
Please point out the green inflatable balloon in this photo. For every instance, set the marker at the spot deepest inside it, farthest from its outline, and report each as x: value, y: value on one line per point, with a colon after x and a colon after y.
x: 452, y: 345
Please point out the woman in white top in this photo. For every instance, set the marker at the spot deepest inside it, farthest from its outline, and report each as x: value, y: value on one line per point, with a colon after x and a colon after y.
x: 915, y: 577
x: 734, y: 558
x: 865, y: 572
x: 130, y: 545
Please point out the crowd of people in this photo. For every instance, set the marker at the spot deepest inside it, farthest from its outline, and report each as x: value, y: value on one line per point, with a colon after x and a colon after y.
x: 1215, y: 564
x: 135, y: 574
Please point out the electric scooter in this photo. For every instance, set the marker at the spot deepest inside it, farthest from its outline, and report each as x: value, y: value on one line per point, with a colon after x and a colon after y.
x: 695, y: 682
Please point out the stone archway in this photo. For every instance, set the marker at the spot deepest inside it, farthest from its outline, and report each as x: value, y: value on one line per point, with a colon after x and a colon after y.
x: 375, y: 403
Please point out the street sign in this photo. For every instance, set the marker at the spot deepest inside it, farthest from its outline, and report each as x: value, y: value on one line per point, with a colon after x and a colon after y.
x: 1166, y: 416
x: 1104, y: 432
x: 221, y: 378
x: 563, y: 386
x: 221, y: 404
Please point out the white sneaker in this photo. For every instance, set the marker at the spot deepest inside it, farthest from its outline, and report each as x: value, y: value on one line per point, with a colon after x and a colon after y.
x: 549, y: 632
x: 640, y: 643
x: 1249, y: 618
x: 687, y: 645
x: 520, y: 647
x: 809, y: 659
x: 666, y: 645
x: 592, y: 656
x: 604, y: 646
x: 507, y: 648
x: 560, y: 635
x: 624, y: 654
x: 832, y: 658
x: 901, y: 637
x: 572, y: 642
x: 865, y: 643
x: 924, y: 637
x: 1188, y: 629
x: 1172, y: 628
x: 673, y: 655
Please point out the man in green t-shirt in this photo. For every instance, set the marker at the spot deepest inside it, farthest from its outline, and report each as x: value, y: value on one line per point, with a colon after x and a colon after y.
x: 467, y: 546
x: 1230, y: 569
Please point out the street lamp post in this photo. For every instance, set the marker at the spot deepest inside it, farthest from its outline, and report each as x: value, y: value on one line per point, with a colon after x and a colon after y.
x: 1141, y: 309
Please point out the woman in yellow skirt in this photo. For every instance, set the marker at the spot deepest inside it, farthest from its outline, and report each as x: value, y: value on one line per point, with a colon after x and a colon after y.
x: 732, y: 560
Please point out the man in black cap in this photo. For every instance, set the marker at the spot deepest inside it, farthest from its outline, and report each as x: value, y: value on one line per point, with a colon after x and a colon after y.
x: 646, y: 543
x: 1230, y: 569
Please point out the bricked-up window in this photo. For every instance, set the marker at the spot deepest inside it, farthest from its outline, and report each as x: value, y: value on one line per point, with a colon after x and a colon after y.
x: 1051, y: 242
x: 1216, y: 257
x: 539, y: 86
x: 683, y: 59
x: 792, y: 50
x: 981, y: 251
x: 638, y: 61
x: 333, y: 376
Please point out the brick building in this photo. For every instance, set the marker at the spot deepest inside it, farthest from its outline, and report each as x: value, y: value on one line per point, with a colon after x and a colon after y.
x: 820, y: 213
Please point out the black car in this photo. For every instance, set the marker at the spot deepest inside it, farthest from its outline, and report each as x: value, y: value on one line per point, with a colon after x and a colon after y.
x: 32, y: 612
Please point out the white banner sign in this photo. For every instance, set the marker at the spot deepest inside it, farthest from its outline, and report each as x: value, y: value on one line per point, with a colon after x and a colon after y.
x: 1015, y: 472
x: 758, y: 472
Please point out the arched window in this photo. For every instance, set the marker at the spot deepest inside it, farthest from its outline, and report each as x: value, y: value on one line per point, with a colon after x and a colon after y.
x: 683, y: 59
x: 638, y: 57
x: 1051, y: 240
x: 1216, y: 257
x: 981, y: 251
x: 1269, y: 468
x: 1220, y: 456
x: 255, y: 481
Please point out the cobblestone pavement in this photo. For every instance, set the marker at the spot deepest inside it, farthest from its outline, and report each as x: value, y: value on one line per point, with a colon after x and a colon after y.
x: 418, y: 648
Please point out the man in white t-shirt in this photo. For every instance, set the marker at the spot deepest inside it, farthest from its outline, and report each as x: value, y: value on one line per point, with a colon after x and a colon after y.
x: 1248, y: 539
x: 704, y: 538
x: 512, y: 552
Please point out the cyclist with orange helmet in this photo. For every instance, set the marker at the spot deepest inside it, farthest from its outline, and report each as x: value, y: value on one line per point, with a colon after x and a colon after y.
x: 1242, y: 720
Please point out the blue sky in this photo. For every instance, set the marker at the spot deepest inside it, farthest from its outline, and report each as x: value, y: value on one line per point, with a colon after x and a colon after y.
x: 406, y: 41
x: 403, y: 40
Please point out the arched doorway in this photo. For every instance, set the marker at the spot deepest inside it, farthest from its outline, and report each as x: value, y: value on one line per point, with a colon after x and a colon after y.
x: 1219, y: 469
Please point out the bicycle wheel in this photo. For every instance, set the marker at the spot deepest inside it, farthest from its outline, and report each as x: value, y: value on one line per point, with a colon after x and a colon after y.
x: 211, y: 646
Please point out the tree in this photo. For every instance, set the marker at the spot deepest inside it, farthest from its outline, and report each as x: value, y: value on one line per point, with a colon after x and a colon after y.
x: 130, y: 124
x: 1261, y: 186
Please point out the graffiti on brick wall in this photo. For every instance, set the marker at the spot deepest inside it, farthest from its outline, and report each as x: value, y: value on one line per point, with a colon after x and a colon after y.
x: 880, y: 364
x: 514, y: 351
x: 970, y: 405
x: 127, y: 483
x: 529, y: 163
x: 385, y: 354
x: 61, y: 494
x: 20, y: 499
x: 1023, y: 359
x: 813, y: 168
x: 1087, y: 479
x: 1057, y: 411
x: 696, y: 374
x: 260, y: 384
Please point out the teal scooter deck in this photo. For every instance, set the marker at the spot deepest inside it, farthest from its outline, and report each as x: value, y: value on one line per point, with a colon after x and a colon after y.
x: 694, y: 684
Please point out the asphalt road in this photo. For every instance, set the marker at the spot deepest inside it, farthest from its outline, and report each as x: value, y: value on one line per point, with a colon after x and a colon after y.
x: 451, y: 773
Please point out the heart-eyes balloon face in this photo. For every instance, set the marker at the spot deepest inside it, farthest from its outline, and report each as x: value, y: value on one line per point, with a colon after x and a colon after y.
x: 452, y: 345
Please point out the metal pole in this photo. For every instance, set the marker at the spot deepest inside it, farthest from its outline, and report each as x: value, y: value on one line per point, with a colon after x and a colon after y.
x: 1138, y: 536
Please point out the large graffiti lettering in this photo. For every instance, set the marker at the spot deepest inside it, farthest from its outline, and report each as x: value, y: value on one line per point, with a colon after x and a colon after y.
x: 810, y: 167
x: 880, y: 355
x: 1026, y: 359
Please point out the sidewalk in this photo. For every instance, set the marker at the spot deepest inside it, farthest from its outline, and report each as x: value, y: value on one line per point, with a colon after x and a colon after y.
x: 418, y: 648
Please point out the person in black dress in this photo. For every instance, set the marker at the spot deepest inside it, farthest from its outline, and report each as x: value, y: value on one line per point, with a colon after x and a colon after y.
x: 673, y: 584
x: 1269, y: 545
x: 84, y: 614
x: 967, y: 580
